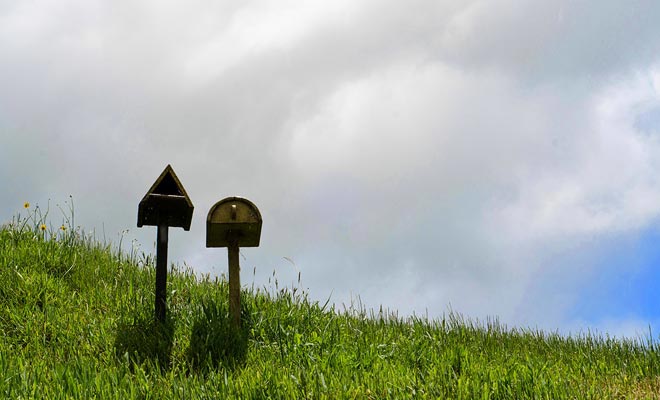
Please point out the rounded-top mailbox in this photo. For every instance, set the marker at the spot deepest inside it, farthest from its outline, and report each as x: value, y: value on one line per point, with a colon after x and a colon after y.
x: 233, y: 219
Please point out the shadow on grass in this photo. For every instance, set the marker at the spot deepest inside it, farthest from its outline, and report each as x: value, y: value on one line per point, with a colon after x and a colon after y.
x: 146, y: 339
x: 215, y: 341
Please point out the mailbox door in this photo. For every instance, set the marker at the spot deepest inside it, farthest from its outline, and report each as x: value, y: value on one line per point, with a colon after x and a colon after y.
x: 233, y: 218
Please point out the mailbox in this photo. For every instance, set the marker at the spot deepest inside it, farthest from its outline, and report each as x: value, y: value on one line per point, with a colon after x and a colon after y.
x: 166, y: 203
x: 233, y: 218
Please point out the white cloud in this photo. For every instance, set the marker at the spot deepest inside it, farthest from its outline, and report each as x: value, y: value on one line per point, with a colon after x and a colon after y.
x: 610, y: 185
x: 419, y: 154
x: 262, y: 26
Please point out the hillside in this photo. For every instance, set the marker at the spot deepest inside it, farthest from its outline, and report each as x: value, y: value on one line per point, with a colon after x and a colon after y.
x: 76, y: 319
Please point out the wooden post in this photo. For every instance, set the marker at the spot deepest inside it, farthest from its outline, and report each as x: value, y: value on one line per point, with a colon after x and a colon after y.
x: 161, y: 273
x: 165, y: 204
x: 234, y: 283
x: 233, y: 222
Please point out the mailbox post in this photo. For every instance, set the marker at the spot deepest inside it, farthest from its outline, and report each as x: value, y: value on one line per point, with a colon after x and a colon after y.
x: 233, y: 222
x: 165, y: 204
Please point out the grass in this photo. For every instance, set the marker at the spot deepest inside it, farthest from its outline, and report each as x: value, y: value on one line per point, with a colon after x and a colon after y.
x: 77, y: 322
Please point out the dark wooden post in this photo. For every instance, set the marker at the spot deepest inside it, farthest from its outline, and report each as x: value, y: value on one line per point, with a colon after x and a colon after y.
x: 234, y: 283
x: 161, y: 274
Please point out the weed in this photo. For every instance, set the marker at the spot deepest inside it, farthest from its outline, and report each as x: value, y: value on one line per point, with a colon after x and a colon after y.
x: 76, y: 318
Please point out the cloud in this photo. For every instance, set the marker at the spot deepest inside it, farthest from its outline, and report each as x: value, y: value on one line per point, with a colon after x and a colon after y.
x: 550, y: 42
x: 418, y: 155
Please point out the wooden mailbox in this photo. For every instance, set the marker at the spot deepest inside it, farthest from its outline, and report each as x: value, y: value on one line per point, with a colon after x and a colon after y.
x: 233, y: 222
x: 165, y: 204
x: 233, y: 218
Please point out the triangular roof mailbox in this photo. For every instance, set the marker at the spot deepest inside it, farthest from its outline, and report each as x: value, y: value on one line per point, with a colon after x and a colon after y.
x: 166, y: 203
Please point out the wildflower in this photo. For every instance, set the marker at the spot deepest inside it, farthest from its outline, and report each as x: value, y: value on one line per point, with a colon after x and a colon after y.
x: 42, y: 227
x: 26, y: 205
x: 63, y: 228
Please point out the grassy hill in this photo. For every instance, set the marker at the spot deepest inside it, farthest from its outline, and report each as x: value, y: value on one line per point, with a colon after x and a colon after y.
x: 77, y: 322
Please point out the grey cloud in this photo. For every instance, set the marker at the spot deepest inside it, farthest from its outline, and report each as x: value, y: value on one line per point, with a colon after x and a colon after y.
x: 403, y: 152
x: 546, y: 41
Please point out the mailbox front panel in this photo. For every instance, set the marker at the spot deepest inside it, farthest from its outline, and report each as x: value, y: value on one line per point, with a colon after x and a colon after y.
x: 233, y: 218
x: 220, y: 235
x: 165, y: 210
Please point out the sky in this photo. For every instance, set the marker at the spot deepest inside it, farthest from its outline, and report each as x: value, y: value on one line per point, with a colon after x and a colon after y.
x: 499, y: 159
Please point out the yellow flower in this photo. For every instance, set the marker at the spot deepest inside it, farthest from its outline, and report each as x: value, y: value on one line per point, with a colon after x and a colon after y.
x: 63, y: 228
x: 26, y: 205
x: 42, y: 227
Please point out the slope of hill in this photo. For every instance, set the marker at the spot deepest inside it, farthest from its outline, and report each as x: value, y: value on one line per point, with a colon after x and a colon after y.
x: 77, y: 322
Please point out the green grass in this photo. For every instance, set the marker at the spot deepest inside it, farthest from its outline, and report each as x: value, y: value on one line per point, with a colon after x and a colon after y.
x: 76, y: 319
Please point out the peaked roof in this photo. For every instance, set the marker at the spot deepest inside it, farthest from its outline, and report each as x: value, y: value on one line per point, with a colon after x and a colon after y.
x: 168, y: 184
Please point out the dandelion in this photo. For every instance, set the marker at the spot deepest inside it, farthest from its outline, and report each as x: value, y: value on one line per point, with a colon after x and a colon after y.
x: 26, y: 204
x: 42, y: 227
